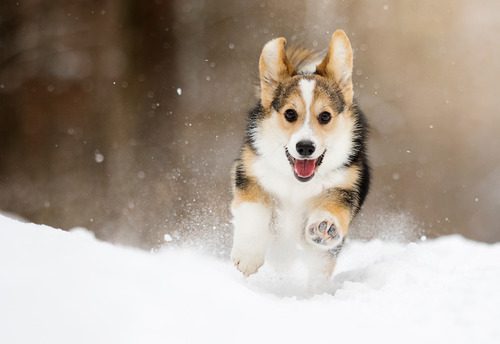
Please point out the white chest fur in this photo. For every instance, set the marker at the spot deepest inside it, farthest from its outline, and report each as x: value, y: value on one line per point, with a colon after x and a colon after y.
x: 292, y: 197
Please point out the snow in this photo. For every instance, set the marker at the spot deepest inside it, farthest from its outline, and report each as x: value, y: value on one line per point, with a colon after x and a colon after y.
x: 98, y: 157
x: 68, y: 287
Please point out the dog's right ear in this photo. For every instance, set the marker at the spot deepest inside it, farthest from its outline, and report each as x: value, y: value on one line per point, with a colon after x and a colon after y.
x: 273, y: 68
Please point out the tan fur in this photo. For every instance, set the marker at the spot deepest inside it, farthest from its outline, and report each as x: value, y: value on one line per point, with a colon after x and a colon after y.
x: 330, y: 203
x: 321, y: 102
x: 295, y: 102
x: 338, y: 64
x: 352, y: 177
x: 254, y: 192
x: 274, y: 67
x: 296, y: 59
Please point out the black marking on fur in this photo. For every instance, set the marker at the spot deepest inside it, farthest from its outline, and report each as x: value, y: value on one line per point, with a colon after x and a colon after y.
x: 255, y: 116
x: 276, y: 103
x: 352, y: 199
x: 359, y: 137
x: 363, y: 183
x: 320, y: 159
x: 348, y: 198
x: 359, y: 157
x: 336, y: 250
x: 240, y: 177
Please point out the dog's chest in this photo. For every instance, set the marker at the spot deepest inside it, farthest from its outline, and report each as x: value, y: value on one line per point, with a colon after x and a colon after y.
x: 289, y: 220
x: 292, y: 199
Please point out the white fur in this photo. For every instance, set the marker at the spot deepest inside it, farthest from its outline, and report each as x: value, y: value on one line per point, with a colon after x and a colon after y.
x: 305, y: 132
x: 251, y: 223
x: 307, y: 91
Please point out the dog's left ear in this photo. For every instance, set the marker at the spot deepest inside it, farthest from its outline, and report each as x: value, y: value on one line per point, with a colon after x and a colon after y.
x: 337, y: 64
x: 274, y: 67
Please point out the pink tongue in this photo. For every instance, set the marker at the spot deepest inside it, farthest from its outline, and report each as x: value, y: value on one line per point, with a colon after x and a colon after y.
x: 304, y: 168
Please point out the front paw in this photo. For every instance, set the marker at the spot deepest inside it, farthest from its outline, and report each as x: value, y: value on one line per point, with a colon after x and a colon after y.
x: 324, y: 233
x: 245, y: 261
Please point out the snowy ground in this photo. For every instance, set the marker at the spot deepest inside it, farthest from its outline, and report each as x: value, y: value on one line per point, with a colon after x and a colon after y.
x: 60, y: 287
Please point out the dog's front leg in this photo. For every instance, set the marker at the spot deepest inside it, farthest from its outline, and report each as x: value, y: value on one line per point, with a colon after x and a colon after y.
x: 328, y: 223
x: 251, y: 221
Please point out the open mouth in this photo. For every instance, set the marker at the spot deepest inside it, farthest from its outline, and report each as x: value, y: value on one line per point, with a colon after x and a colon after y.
x: 304, y: 169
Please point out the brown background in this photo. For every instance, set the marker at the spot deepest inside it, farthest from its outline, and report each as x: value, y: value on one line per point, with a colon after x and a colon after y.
x: 94, y: 133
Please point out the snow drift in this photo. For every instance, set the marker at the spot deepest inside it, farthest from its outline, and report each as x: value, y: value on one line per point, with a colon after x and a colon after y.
x: 67, y: 287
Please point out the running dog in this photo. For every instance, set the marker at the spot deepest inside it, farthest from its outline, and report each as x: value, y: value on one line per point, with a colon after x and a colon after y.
x: 302, y: 173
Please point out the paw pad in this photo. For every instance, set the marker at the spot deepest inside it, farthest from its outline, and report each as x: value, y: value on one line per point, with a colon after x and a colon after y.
x: 324, y: 233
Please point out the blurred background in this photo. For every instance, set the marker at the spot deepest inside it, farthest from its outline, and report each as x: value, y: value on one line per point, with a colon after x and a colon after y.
x: 124, y: 117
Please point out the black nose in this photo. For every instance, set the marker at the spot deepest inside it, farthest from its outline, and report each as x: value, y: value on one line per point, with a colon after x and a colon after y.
x: 305, y: 148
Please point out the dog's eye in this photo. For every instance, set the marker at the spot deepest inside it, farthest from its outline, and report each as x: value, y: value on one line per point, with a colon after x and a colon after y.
x: 291, y: 115
x: 324, y: 117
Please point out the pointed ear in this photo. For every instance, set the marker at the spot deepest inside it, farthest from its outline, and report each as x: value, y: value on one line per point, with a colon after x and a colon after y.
x: 273, y: 68
x: 337, y: 64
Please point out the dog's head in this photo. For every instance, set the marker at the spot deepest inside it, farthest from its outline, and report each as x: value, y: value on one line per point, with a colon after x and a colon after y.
x: 308, y: 116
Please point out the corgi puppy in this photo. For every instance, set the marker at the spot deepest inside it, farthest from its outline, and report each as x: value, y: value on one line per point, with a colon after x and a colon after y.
x: 302, y: 174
